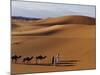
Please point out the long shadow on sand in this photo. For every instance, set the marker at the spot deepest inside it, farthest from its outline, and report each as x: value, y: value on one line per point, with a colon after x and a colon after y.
x: 50, y: 64
x: 61, y: 63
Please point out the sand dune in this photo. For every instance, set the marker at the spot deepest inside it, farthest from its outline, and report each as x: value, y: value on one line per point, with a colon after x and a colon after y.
x: 73, y: 37
x: 40, y: 31
x: 69, y: 30
x: 67, y: 20
x: 44, y: 23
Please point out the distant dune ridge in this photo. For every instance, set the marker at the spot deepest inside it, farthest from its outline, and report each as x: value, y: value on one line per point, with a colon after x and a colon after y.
x: 67, y: 20
x: 73, y: 37
x: 52, y: 25
x: 24, y: 18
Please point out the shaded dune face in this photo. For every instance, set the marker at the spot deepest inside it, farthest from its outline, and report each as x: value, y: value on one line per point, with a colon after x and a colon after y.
x: 67, y: 20
x: 69, y: 30
x: 53, y: 26
x: 42, y: 31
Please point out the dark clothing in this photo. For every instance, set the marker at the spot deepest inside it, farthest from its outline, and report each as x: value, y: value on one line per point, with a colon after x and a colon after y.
x: 53, y: 60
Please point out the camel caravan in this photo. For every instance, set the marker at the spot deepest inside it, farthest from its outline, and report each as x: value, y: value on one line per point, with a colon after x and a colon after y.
x: 38, y: 59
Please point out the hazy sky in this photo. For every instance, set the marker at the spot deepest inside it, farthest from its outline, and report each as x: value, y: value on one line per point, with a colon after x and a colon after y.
x: 44, y: 10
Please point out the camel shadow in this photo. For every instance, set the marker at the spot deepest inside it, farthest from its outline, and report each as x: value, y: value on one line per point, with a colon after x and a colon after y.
x: 62, y: 63
x: 69, y: 61
x: 57, y: 65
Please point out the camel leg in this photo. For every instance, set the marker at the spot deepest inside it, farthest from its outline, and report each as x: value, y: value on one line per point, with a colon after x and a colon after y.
x: 15, y: 60
x: 27, y: 61
x: 30, y: 61
x: 39, y: 61
x: 36, y: 61
x: 24, y: 61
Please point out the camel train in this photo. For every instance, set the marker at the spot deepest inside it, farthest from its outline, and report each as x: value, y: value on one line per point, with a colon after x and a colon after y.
x: 38, y: 59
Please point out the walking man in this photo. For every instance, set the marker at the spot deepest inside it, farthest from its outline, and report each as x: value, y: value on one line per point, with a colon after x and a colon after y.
x: 53, y: 60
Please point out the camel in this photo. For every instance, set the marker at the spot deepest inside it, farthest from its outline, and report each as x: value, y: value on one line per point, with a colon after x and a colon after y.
x: 15, y: 57
x: 27, y: 59
x: 40, y: 57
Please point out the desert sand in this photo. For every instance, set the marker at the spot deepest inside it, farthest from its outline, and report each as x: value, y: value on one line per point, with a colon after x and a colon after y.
x: 73, y: 37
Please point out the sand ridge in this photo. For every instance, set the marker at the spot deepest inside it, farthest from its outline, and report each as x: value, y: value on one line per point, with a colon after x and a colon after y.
x: 73, y: 37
